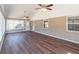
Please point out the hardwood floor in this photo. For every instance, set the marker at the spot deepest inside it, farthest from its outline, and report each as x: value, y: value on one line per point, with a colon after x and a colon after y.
x: 34, y: 43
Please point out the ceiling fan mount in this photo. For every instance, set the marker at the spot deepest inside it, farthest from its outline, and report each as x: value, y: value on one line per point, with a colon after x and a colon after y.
x: 25, y: 17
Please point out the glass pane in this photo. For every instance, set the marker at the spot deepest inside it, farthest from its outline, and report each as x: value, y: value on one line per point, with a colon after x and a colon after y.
x: 45, y: 24
x: 77, y: 27
x: 76, y: 20
x: 70, y: 26
x: 70, y: 20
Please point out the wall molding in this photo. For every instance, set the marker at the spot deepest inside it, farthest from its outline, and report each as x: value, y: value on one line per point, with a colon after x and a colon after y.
x: 58, y: 37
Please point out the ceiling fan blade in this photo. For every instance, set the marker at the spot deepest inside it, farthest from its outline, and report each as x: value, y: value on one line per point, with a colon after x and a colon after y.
x: 49, y: 5
x: 48, y: 8
x: 41, y: 5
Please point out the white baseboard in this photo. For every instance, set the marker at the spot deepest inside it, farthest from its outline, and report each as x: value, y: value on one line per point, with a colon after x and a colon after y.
x: 16, y: 31
x: 58, y: 37
x: 1, y: 42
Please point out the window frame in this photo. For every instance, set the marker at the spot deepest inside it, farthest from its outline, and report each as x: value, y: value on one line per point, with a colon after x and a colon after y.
x: 70, y: 23
x: 14, y: 29
x: 46, y: 26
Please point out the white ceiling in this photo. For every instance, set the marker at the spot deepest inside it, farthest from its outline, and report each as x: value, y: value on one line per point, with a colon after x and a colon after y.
x: 58, y: 10
x: 17, y: 10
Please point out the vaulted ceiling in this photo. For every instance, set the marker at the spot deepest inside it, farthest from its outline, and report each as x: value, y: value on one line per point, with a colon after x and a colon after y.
x: 17, y: 10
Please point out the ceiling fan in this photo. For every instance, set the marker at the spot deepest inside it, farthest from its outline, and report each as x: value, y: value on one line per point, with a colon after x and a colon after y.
x: 25, y: 17
x: 45, y: 7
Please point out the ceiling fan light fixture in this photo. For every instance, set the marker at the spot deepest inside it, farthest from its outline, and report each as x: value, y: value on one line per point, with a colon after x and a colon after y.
x: 24, y: 17
x: 44, y: 9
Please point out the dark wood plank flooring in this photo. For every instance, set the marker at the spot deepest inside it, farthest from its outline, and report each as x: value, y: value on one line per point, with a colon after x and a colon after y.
x: 34, y: 43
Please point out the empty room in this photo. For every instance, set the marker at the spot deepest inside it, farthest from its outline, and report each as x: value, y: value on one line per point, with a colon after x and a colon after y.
x: 39, y: 28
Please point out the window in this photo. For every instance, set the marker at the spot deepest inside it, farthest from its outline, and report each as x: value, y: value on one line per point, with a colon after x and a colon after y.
x: 14, y: 24
x: 73, y: 23
x: 45, y: 24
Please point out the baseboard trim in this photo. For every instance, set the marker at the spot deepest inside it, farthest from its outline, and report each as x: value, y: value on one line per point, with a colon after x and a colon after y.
x: 2, y: 41
x: 59, y: 37
x: 16, y: 31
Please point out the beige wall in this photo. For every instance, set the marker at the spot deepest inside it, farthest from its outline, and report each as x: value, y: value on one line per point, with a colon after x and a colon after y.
x: 56, y: 28
x: 58, y: 23
x: 38, y: 24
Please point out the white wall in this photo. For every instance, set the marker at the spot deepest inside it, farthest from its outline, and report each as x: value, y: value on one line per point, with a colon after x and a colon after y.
x: 58, y: 10
x: 2, y: 28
